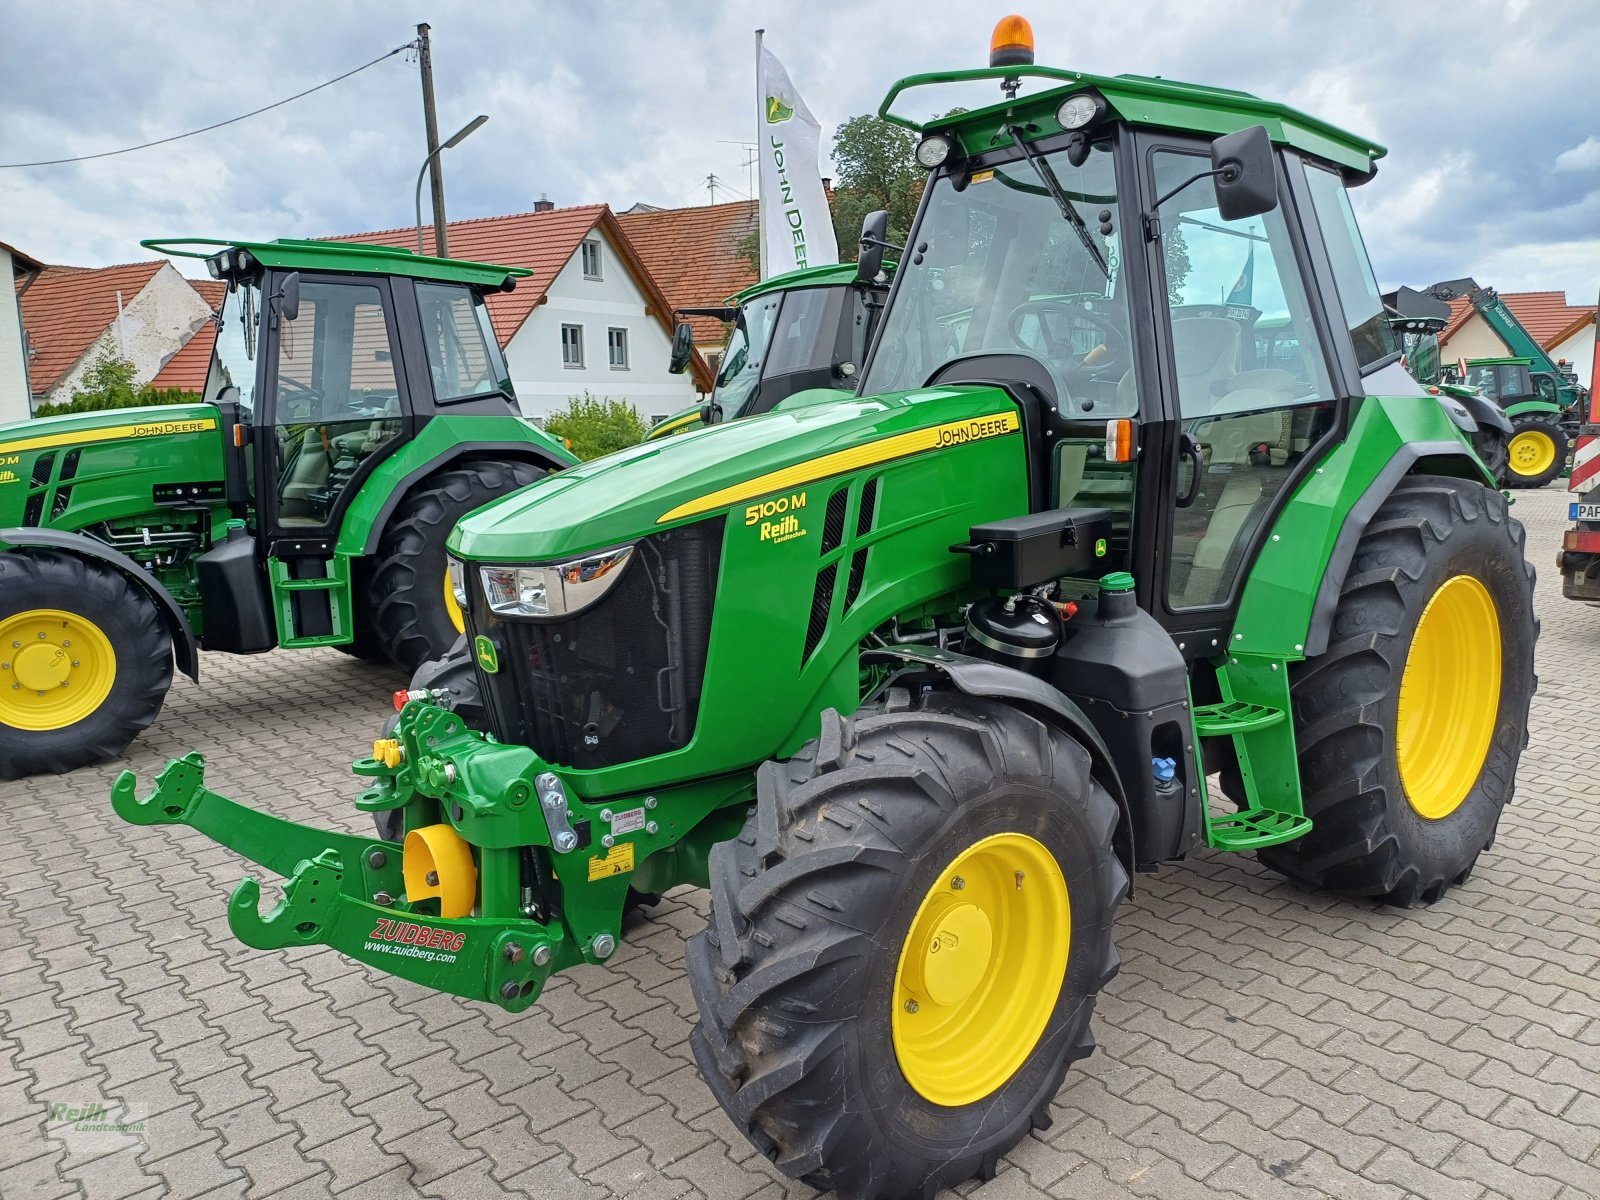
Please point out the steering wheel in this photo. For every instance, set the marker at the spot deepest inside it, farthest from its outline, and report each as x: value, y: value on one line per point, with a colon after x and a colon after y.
x: 307, y: 400
x: 1112, y: 355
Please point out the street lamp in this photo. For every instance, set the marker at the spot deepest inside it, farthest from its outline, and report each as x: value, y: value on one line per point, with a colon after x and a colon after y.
x: 454, y: 139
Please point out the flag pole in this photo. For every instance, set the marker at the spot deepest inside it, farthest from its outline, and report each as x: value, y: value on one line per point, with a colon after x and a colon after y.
x: 761, y: 227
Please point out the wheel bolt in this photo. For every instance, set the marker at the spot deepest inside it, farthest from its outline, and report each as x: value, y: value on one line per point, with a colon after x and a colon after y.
x: 433, y: 878
x: 911, y: 1006
x: 74, y: 662
x: 958, y: 883
x: 65, y: 642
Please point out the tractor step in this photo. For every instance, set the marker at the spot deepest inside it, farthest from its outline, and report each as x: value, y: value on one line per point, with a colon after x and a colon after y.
x: 1254, y: 828
x: 1232, y: 717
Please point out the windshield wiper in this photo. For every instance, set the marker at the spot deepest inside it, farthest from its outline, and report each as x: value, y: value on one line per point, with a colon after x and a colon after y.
x: 1064, y: 202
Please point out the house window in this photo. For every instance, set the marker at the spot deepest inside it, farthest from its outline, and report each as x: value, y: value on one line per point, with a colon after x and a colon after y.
x: 591, y: 260
x: 617, y: 344
x: 572, y: 345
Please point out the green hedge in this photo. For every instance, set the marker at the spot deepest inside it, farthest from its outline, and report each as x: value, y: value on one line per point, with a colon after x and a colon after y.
x: 596, y: 425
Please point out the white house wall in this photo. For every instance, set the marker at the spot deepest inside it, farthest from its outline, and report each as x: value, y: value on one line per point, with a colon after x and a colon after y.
x: 544, y: 384
x: 155, y: 324
x: 1578, y: 350
x: 13, y: 368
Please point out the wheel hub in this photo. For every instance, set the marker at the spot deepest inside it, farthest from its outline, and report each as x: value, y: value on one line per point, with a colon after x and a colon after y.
x: 981, y: 968
x: 55, y: 669
x: 1531, y: 452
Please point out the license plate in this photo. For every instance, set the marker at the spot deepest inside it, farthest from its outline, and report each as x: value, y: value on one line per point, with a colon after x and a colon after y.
x: 1583, y: 512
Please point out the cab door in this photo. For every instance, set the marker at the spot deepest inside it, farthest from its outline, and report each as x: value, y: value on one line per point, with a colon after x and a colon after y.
x: 333, y: 405
x: 1248, y: 398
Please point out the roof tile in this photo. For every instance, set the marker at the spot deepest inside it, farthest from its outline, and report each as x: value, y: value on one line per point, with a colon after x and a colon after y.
x: 693, y: 254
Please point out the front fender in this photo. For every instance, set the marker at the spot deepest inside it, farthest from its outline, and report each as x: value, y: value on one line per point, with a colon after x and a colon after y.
x: 184, y: 650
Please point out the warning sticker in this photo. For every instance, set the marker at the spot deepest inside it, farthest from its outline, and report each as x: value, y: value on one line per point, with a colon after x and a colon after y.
x: 618, y: 862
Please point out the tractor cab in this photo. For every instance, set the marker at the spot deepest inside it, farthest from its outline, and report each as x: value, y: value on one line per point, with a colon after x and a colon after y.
x: 800, y: 331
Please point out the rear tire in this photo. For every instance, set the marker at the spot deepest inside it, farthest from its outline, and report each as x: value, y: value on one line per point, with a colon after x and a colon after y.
x: 104, y: 636
x: 1490, y: 447
x: 819, y: 925
x: 409, y: 583
x: 1404, y: 795
x: 1537, y: 452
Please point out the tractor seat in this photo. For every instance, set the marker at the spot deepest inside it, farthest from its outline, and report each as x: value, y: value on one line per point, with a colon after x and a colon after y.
x: 1207, y: 359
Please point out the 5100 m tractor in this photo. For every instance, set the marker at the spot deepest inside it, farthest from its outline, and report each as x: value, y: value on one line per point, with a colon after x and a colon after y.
x: 917, y: 680
x: 356, y: 407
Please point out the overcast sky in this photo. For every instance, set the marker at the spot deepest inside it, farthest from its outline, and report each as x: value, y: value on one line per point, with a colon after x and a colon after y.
x: 1488, y: 109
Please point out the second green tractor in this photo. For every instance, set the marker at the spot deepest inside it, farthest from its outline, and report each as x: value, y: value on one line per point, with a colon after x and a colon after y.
x: 918, y: 680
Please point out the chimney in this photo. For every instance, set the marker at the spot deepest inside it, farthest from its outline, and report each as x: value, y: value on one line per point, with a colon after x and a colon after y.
x: 544, y: 204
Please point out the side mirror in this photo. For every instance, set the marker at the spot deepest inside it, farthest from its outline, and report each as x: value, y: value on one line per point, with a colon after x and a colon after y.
x: 710, y: 413
x: 682, y: 348
x: 874, y: 231
x: 1246, y: 181
x: 287, y: 298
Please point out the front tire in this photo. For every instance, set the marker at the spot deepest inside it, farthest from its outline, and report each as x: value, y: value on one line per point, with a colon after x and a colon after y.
x: 1411, y: 724
x: 85, y: 662
x: 1537, y: 452
x: 414, y: 612
x: 887, y: 1003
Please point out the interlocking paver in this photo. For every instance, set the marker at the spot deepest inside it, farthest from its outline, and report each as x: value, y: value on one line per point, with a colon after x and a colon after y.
x: 1261, y: 1041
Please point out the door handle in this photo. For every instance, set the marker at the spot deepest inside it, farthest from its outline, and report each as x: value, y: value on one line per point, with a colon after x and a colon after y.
x: 1189, y: 448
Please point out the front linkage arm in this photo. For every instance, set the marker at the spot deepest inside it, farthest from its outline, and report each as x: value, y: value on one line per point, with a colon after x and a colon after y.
x: 330, y: 882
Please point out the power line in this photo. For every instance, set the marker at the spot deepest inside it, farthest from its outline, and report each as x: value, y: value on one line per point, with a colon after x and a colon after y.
x: 56, y: 162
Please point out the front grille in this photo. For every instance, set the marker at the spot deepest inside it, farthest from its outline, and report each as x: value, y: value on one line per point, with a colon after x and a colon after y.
x: 621, y: 680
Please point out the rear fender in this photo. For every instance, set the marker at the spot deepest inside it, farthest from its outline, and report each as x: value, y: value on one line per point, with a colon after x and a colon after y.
x: 1483, y: 412
x: 184, y: 650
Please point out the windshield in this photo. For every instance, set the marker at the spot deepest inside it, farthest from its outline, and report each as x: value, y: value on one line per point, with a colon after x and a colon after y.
x: 1001, y: 267
x: 1422, y: 357
x: 233, y: 357
x: 741, y: 358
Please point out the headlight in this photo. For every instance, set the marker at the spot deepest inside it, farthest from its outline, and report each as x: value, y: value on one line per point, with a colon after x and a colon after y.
x: 933, y: 150
x: 554, y: 589
x: 1078, y: 110
x: 458, y: 581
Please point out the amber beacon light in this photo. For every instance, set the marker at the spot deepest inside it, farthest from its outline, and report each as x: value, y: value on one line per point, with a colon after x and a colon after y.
x: 1012, y: 43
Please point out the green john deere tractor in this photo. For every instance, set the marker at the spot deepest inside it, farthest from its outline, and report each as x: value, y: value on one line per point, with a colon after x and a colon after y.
x: 357, y: 406
x: 916, y: 681
x: 804, y: 330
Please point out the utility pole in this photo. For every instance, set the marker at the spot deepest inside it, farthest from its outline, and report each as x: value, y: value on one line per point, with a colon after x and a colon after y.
x: 711, y: 186
x: 436, y: 171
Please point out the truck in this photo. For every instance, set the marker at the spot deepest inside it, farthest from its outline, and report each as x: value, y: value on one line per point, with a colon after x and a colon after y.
x: 356, y: 407
x: 1543, y: 399
x: 1077, y: 583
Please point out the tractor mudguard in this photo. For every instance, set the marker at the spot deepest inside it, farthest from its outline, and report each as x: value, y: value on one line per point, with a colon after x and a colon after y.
x: 977, y: 677
x: 184, y: 649
x: 1403, y: 462
x: 1485, y: 413
x: 456, y: 452
x: 1525, y: 407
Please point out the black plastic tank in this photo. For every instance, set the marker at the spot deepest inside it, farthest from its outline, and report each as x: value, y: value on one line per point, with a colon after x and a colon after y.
x: 1124, y: 670
x: 234, y: 613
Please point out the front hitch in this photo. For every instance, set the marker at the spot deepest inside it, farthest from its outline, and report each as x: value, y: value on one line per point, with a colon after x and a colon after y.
x: 348, y: 892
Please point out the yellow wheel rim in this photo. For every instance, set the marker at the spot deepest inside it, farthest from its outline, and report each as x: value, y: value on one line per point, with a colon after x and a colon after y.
x: 1449, y: 697
x: 1532, y: 452
x: 451, y: 608
x: 56, y: 668
x: 981, y: 969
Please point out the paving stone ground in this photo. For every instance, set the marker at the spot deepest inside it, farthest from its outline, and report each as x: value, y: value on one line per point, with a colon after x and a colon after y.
x: 1260, y: 1041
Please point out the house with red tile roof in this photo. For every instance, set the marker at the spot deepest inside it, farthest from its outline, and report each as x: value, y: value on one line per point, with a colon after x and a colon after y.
x: 693, y: 253
x: 22, y: 269
x: 1564, y: 330
x: 592, y: 318
x: 72, y: 316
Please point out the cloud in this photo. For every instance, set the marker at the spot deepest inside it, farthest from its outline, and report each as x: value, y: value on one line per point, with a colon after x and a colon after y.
x: 1585, y: 156
x: 591, y: 102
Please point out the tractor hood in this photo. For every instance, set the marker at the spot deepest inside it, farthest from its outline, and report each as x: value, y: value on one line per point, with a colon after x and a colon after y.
x: 705, y: 472
x: 80, y: 468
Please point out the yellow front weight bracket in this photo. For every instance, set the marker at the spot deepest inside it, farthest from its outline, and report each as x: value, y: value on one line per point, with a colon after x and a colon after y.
x: 347, y: 892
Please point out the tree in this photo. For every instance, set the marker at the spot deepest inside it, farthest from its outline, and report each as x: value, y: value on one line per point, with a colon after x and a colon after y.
x: 875, y: 167
x: 1176, y: 249
x: 595, y: 425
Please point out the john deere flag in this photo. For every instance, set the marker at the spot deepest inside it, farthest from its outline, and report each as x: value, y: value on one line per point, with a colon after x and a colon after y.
x: 797, y: 230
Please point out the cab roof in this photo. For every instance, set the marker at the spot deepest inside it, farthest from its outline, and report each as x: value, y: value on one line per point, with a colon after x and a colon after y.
x: 831, y: 275
x: 1140, y: 100
x: 295, y: 253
